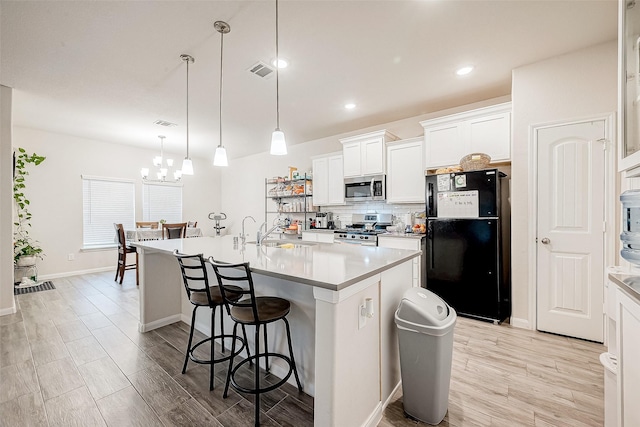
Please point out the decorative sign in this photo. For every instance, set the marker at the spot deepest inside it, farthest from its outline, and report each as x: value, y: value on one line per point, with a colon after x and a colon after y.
x: 458, y: 204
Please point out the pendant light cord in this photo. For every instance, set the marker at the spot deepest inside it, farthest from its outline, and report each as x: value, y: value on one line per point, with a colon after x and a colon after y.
x: 277, y: 74
x: 221, y: 56
x: 188, y: 108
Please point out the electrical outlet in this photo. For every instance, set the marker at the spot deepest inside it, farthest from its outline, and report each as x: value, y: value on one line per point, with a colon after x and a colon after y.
x: 71, y: 257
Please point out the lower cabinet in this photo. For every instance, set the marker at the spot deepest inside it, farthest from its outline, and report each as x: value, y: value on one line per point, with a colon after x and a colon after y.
x: 317, y: 236
x: 409, y: 243
x: 628, y: 331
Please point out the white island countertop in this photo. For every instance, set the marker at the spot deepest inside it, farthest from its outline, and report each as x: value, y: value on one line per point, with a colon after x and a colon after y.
x: 330, y: 266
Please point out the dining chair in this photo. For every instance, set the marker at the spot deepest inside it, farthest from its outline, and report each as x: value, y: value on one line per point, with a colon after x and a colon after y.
x: 192, y: 224
x: 123, y: 250
x: 147, y: 224
x: 174, y: 231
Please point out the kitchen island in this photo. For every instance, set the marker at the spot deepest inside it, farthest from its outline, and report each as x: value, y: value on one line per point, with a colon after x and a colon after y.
x: 349, y: 362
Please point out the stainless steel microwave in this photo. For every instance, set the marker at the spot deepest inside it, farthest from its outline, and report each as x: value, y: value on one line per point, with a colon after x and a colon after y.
x: 365, y: 189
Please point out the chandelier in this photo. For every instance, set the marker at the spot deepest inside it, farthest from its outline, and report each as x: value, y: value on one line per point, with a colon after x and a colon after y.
x: 162, y: 166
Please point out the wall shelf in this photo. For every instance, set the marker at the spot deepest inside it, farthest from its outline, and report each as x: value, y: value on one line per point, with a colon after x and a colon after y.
x: 289, y: 197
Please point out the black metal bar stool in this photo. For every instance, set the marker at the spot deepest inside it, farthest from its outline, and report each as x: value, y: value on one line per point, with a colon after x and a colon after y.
x: 196, y: 283
x: 254, y: 311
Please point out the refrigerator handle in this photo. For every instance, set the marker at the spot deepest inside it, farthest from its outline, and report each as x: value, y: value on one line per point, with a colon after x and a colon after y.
x: 432, y: 257
x: 430, y: 199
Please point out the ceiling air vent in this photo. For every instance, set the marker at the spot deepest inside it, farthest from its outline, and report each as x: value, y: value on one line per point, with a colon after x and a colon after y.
x: 261, y: 69
x: 165, y: 123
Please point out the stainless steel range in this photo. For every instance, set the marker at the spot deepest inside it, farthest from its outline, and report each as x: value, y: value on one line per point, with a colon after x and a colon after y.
x: 364, y: 229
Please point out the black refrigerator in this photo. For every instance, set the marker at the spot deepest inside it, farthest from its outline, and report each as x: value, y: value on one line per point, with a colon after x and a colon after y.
x: 468, y: 242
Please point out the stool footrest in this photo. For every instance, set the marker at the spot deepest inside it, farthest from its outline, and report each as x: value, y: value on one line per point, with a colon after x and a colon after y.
x: 257, y: 366
x: 220, y: 359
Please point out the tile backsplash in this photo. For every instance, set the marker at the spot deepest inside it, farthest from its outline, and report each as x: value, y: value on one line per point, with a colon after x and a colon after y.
x: 342, y: 213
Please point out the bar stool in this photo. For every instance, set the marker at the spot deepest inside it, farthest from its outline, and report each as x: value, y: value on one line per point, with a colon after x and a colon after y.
x: 254, y: 311
x: 196, y: 283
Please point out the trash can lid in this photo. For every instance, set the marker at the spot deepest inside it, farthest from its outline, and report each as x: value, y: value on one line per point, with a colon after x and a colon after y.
x: 423, y: 311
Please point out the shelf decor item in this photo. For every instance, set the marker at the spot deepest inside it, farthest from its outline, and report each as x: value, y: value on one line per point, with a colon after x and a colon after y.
x: 475, y: 161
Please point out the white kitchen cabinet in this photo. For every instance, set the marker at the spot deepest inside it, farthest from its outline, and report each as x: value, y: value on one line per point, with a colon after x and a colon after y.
x: 317, y: 236
x: 408, y: 243
x: 365, y: 154
x: 328, y: 181
x: 405, y: 171
x: 336, y: 180
x: 484, y: 130
x: 628, y: 331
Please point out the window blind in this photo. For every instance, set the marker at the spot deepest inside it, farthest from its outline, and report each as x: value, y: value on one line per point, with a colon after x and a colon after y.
x: 162, y: 201
x: 105, y: 201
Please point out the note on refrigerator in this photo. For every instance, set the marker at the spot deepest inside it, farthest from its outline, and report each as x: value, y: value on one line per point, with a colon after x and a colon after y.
x: 458, y: 204
x: 444, y: 182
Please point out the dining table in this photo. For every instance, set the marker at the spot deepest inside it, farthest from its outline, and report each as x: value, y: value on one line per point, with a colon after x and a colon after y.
x: 143, y: 234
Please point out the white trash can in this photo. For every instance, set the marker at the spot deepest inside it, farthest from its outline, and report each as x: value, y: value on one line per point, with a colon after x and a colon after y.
x: 425, y: 336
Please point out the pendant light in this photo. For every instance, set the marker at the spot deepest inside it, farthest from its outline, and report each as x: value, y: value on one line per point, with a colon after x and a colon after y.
x: 220, y: 157
x: 187, y: 165
x: 278, y: 143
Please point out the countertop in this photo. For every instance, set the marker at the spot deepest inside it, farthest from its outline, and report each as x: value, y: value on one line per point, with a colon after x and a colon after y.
x: 326, y: 265
x: 627, y: 282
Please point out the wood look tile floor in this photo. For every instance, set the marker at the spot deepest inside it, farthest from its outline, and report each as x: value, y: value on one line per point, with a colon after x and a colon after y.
x: 73, y: 357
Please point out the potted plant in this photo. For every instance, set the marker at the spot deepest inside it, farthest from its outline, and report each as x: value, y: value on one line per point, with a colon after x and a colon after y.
x: 25, y: 249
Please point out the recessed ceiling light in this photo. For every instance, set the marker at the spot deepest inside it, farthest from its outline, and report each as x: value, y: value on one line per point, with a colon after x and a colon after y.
x: 280, y: 63
x: 464, y: 71
x: 350, y: 106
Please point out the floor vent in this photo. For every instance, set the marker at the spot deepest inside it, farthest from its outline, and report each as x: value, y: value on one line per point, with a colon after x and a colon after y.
x: 165, y: 123
x: 261, y: 69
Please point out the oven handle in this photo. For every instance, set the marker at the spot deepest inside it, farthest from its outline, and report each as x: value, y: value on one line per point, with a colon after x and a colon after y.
x: 356, y: 242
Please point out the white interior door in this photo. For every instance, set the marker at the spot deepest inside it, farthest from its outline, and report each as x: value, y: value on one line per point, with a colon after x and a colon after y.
x: 570, y: 229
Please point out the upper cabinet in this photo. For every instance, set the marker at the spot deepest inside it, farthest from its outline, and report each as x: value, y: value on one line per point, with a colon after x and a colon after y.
x: 629, y: 87
x: 365, y: 154
x: 405, y: 171
x: 328, y: 183
x: 484, y: 130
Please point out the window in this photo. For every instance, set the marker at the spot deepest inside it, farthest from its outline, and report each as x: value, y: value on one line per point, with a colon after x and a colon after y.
x: 105, y: 201
x: 162, y: 201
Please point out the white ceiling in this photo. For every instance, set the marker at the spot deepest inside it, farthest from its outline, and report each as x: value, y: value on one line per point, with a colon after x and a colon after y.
x: 106, y: 70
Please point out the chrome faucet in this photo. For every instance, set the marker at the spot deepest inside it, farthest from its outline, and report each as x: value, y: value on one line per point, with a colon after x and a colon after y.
x: 261, y: 237
x: 242, y: 235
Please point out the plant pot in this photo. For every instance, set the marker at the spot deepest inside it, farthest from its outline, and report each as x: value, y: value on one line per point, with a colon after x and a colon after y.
x: 26, y: 261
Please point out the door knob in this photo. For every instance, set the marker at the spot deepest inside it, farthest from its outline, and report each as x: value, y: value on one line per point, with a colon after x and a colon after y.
x: 545, y: 241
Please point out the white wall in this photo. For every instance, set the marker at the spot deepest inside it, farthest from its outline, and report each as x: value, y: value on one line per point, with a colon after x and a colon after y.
x: 55, y: 191
x: 243, y: 182
x: 7, y: 305
x: 575, y: 85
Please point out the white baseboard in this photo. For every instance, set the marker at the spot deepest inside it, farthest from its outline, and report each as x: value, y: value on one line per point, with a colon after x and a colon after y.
x: 159, y: 323
x: 42, y: 277
x: 9, y: 310
x: 375, y: 417
x: 520, y: 323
